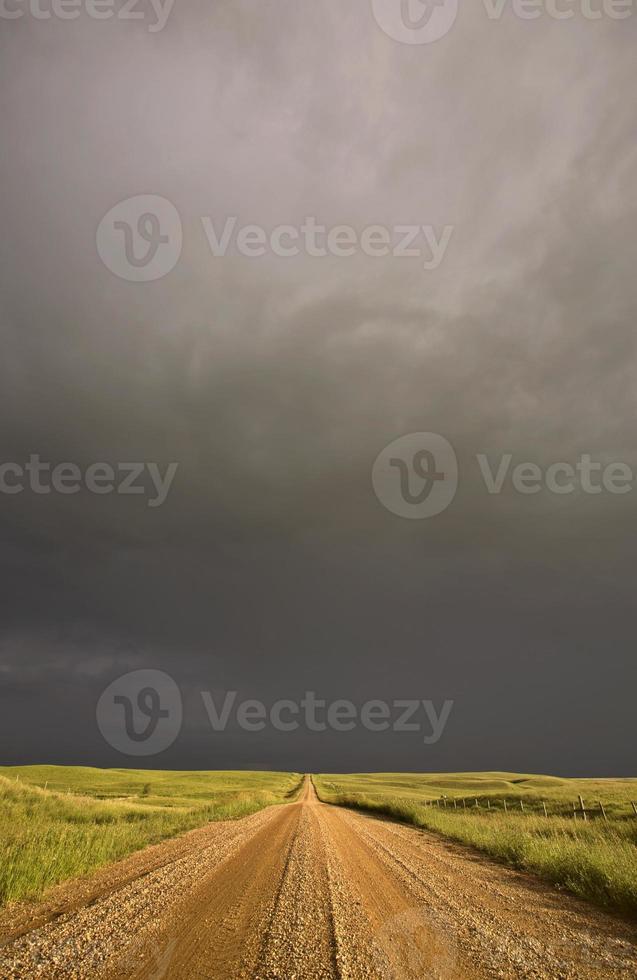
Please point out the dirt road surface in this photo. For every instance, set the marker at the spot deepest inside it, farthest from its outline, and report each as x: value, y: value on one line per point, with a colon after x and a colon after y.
x: 307, y: 891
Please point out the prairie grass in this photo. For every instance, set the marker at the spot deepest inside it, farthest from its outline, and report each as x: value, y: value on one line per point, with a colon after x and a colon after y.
x: 596, y: 859
x: 48, y: 836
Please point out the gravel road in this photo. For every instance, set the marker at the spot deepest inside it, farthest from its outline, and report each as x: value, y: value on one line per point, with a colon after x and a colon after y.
x: 311, y: 892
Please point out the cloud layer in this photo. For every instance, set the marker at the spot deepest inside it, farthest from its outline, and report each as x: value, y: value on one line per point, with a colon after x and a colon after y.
x: 274, y: 383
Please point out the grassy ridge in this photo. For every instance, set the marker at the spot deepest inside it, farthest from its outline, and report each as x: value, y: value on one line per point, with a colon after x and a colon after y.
x: 596, y: 860
x: 150, y: 787
x: 61, y: 822
x: 496, y: 786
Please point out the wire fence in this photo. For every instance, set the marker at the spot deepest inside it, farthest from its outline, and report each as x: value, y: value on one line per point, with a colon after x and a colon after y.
x: 551, y: 808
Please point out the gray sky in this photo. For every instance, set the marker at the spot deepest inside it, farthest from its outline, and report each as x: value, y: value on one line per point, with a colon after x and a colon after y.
x: 272, y: 568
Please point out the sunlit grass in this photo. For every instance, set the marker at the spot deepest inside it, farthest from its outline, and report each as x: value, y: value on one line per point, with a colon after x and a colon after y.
x: 48, y: 835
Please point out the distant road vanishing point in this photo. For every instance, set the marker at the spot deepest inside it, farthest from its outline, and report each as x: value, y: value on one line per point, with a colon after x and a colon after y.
x: 306, y: 891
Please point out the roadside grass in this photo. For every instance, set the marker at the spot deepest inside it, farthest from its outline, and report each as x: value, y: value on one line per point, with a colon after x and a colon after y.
x: 594, y: 859
x: 61, y: 822
x: 497, y: 786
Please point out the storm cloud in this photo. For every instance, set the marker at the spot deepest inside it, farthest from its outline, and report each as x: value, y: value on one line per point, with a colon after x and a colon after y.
x: 274, y: 383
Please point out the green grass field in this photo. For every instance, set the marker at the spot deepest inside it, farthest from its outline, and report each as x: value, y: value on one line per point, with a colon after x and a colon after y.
x: 58, y: 822
x: 595, y: 859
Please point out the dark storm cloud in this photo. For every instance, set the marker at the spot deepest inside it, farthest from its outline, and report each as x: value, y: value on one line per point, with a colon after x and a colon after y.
x: 274, y: 383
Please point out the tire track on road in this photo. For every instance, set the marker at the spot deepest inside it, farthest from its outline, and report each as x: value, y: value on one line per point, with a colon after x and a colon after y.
x: 506, y: 922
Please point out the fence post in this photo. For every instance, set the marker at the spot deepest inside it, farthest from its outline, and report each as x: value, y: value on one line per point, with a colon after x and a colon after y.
x: 574, y: 812
x: 522, y: 806
x: 635, y: 809
x: 601, y: 806
x: 544, y: 805
x: 582, y: 808
x: 488, y: 804
x: 455, y: 804
x: 464, y: 805
x: 505, y: 805
x: 477, y: 805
